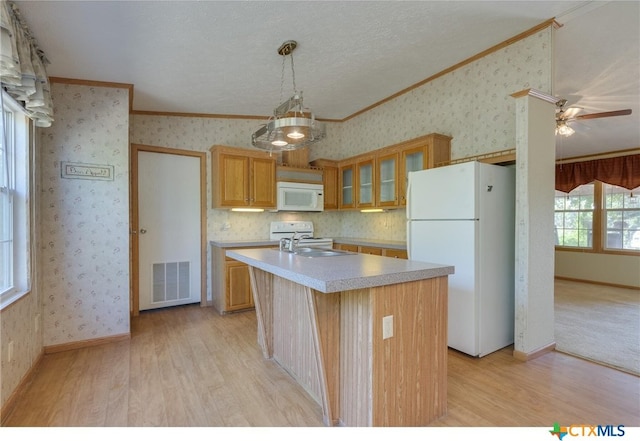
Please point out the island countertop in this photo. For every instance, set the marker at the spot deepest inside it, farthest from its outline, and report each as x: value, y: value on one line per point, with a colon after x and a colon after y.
x: 339, y: 273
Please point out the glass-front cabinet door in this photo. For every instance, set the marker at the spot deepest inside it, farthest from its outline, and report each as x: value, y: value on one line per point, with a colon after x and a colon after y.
x: 347, y: 179
x: 387, y: 179
x: 412, y: 160
x: 365, y: 196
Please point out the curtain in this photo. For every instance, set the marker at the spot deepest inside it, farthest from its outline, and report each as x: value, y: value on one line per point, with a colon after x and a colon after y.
x: 22, y: 71
x: 623, y: 171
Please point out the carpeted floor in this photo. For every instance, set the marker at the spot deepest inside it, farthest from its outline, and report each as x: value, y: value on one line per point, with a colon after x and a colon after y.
x: 599, y: 323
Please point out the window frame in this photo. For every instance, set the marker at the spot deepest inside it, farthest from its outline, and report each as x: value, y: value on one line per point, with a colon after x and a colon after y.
x: 578, y: 213
x: 19, y: 152
x: 599, y: 228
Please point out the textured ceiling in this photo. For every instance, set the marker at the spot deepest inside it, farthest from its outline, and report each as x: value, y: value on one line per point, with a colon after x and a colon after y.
x: 219, y: 57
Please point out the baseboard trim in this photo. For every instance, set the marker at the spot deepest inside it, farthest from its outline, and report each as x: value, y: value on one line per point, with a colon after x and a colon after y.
x: 86, y: 343
x: 595, y: 282
x: 526, y: 356
x: 9, y: 405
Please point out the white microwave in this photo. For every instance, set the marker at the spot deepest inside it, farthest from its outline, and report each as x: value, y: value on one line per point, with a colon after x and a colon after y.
x: 297, y: 196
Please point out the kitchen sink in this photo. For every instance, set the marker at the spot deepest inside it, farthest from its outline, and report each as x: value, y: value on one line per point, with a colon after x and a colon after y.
x: 319, y: 252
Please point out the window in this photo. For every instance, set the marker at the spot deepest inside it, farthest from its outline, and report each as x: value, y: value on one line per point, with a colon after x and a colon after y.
x: 599, y: 217
x: 621, y: 217
x: 574, y: 217
x: 14, y: 202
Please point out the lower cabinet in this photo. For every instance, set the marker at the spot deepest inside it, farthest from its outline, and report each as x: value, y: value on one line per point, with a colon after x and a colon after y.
x: 238, y: 287
x: 230, y: 282
x: 392, y: 252
x: 378, y: 251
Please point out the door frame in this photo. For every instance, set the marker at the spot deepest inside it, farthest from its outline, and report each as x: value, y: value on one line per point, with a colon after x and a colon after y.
x: 133, y: 232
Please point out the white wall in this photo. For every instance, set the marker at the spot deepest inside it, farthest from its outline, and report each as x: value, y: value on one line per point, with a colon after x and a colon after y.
x: 611, y: 269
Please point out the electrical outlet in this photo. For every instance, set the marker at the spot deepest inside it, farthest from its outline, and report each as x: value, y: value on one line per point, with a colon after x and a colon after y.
x: 387, y: 327
x: 10, y: 351
x: 226, y: 226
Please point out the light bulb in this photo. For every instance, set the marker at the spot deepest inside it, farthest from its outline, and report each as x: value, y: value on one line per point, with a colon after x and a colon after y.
x: 279, y: 140
x: 295, y: 133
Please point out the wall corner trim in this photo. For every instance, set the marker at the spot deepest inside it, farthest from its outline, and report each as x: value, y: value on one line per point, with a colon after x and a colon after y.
x: 526, y: 356
x: 86, y: 343
x: 536, y: 94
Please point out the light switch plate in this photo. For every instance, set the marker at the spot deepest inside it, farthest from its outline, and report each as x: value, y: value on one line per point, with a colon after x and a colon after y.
x: 387, y: 327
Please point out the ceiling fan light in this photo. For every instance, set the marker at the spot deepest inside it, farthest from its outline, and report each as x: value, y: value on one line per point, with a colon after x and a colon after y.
x: 563, y: 129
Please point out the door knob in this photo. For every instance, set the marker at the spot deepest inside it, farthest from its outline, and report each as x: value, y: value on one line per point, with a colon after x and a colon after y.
x: 142, y: 231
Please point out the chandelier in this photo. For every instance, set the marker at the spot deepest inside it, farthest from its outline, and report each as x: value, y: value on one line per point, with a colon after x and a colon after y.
x: 292, y: 126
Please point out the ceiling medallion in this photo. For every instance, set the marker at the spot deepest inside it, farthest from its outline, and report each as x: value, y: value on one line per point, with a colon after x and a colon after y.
x: 292, y: 126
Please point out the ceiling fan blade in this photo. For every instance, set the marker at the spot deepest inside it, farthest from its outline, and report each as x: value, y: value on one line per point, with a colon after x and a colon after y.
x: 604, y: 114
x: 571, y: 112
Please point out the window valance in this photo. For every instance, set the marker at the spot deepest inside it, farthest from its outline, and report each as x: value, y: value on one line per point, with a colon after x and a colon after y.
x: 22, y: 71
x: 623, y: 171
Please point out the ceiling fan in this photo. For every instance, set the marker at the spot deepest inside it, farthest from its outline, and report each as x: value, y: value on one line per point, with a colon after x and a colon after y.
x: 565, y: 116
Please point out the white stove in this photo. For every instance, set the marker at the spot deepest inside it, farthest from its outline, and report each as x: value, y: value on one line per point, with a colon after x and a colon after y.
x: 303, y: 231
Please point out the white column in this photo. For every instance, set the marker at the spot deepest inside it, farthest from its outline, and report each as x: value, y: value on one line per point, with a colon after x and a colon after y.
x: 535, y: 177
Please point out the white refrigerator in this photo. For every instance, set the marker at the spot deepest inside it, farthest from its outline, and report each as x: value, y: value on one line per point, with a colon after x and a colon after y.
x: 464, y: 215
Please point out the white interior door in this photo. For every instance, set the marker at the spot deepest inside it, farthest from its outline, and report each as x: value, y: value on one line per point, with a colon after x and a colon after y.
x: 168, y: 229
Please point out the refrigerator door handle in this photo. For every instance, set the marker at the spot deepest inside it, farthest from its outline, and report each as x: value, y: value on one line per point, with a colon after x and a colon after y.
x: 408, y: 195
x: 409, y: 240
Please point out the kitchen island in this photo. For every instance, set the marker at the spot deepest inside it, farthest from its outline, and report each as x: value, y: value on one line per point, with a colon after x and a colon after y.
x: 366, y: 336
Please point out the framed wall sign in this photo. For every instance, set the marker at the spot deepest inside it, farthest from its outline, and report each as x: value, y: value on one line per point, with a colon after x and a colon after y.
x: 77, y: 170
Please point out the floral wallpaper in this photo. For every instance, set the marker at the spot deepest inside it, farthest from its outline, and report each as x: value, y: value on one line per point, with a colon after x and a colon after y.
x: 84, y: 225
x: 18, y: 325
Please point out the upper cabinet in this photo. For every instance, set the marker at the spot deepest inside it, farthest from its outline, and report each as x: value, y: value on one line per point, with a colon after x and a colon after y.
x: 346, y: 185
x: 330, y: 181
x: 365, y: 182
x: 421, y: 153
x: 378, y: 179
x: 387, y: 180
x: 243, y: 178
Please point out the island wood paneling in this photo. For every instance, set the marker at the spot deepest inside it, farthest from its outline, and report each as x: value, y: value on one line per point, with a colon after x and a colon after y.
x: 262, y: 289
x: 410, y: 368
x: 293, y: 346
x: 332, y: 345
x: 327, y: 319
x: 355, y: 362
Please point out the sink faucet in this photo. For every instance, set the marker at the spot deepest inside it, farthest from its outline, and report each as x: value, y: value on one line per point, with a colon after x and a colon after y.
x: 285, y: 243
x: 291, y: 243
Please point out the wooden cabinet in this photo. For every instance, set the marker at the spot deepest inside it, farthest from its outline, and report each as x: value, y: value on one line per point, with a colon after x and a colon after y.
x: 346, y: 185
x: 428, y: 151
x: 387, y: 180
x: 378, y: 251
x: 347, y: 247
x: 230, y: 282
x: 238, y: 286
x: 370, y: 250
x: 365, y: 182
x: 330, y: 182
x: 392, y: 252
x: 378, y: 179
x: 243, y: 178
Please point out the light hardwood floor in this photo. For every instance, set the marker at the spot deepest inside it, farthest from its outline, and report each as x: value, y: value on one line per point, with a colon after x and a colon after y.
x: 189, y: 367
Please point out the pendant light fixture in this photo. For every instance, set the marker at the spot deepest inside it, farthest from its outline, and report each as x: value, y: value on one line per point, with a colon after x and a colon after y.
x: 292, y: 126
